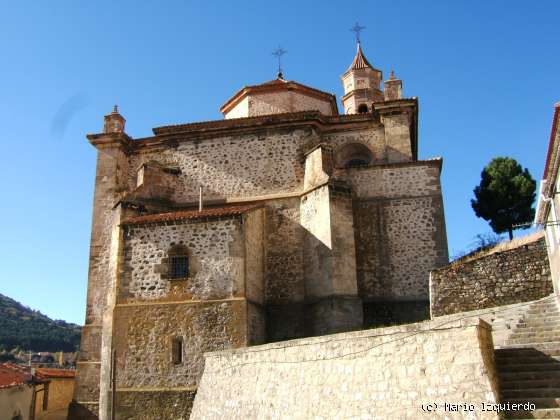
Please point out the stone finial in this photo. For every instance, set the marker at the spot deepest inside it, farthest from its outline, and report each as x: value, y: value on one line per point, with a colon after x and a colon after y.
x: 114, y: 122
x: 392, y: 75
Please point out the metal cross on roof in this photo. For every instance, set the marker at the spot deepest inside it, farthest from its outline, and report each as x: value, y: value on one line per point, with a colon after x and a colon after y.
x: 357, y: 29
x: 278, y: 53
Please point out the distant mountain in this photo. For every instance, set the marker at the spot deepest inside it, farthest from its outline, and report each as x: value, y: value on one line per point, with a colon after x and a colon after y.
x: 31, y: 330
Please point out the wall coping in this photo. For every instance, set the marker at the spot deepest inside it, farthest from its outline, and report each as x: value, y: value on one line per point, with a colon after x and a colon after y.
x: 412, y: 329
x: 481, y: 255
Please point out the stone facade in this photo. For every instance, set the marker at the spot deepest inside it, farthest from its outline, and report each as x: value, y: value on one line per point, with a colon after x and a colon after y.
x: 520, y: 274
x: 357, y: 375
x: 310, y: 223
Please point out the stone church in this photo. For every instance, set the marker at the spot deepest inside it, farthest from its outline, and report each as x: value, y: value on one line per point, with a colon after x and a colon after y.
x: 285, y: 219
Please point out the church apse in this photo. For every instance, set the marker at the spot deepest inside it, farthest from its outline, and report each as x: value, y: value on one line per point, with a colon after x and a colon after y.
x: 312, y: 222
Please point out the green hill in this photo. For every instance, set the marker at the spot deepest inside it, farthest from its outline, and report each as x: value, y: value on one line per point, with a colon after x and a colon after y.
x: 31, y: 330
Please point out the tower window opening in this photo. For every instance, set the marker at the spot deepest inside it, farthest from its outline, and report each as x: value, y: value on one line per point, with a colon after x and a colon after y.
x: 177, y: 350
x: 353, y: 154
x: 362, y: 109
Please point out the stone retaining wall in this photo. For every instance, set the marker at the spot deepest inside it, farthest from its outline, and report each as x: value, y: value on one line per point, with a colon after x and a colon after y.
x: 391, y: 373
x: 501, y: 278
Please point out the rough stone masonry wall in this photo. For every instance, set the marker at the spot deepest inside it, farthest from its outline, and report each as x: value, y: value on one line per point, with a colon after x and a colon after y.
x: 234, y: 166
x: 355, y: 375
x: 518, y: 275
x: 400, y: 230
x: 149, y: 384
x: 280, y: 102
x: 215, y: 261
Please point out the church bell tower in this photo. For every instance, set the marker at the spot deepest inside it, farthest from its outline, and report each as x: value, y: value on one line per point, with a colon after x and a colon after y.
x: 361, y: 85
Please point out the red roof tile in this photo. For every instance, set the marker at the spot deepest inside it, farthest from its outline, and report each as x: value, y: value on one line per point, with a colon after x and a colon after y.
x: 13, y: 375
x: 55, y: 373
x: 208, y: 213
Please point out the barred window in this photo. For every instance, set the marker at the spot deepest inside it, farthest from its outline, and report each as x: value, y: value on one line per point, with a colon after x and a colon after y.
x: 177, y: 350
x: 178, y: 266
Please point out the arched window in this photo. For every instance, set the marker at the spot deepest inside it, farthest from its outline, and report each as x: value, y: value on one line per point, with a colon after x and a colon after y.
x: 353, y: 154
x: 178, y: 263
x: 362, y: 109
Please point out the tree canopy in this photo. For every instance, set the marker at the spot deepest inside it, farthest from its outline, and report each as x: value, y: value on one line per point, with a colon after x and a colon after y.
x: 505, y: 195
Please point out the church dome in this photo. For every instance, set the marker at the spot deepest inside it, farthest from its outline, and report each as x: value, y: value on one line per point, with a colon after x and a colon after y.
x: 277, y: 97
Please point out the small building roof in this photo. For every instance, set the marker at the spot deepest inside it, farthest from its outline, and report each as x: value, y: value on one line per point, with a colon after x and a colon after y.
x: 207, y: 213
x: 12, y: 374
x: 279, y: 85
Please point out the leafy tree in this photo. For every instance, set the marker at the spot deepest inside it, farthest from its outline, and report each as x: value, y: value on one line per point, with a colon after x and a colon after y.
x: 505, y: 195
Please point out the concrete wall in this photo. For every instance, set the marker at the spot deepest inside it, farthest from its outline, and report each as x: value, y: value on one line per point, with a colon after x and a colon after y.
x: 383, y: 373
x: 14, y: 401
x: 516, y: 275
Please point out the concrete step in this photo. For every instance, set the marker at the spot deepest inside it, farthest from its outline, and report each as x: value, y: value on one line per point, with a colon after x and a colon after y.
x: 549, y: 348
x: 528, y: 333
x: 507, y: 376
x: 527, y: 367
x: 548, y: 338
x: 530, y: 328
x: 540, y: 402
x: 526, y: 324
x: 545, y: 310
x: 518, y: 351
x: 537, y: 322
x: 504, y: 362
x: 507, y: 384
x: 539, y: 413
x: 531, y: 393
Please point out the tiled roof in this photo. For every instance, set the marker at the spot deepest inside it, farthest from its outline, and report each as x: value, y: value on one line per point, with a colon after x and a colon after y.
x: 208, y: 213
x: 55, y: 373
x: 13, y: 375
x: 360, y: 61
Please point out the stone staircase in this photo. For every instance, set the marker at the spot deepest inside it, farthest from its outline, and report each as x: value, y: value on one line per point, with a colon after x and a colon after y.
x: 527, y: 350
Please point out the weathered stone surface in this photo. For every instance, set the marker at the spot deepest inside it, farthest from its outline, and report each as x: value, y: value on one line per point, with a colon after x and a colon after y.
x: 299, y: 266
x: 215, y: 265
x: 384, y: 373
x: 150, y: 405
x: 521, y: 274
x: 143, y: 348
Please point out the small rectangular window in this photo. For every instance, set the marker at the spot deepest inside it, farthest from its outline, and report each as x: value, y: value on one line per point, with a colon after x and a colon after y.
x: 178, y: 266
x: 177, y: 350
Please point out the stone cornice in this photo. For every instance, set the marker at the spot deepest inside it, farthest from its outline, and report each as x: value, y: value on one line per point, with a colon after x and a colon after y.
x: 106, y: 140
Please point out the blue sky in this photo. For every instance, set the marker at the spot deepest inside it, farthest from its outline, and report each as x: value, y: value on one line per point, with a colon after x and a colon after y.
x: 486, y: 74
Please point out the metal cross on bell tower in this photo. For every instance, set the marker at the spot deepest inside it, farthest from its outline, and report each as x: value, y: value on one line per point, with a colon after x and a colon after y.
x: 357, y: 29
x: 278, y: 53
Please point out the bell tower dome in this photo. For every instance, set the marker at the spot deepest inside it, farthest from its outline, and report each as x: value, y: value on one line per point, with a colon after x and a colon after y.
x: 361, y: 84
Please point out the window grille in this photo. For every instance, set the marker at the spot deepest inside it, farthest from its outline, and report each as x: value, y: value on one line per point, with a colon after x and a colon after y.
x: 178, y: 266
